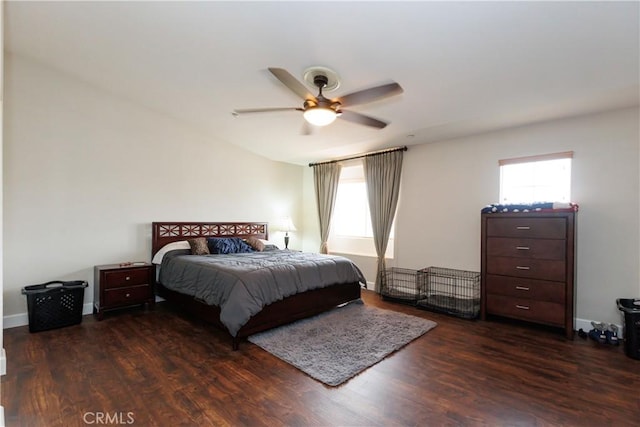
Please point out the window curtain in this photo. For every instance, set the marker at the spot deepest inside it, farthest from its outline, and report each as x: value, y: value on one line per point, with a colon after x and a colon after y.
x: 326, y: 177
x: 382, y: 176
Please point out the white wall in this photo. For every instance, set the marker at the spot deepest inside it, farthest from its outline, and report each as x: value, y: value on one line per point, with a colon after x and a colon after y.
x: 445, y: 184
x: 85, y: 174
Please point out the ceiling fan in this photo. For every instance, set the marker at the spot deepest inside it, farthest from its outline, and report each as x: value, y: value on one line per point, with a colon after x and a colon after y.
x: 321, y: 111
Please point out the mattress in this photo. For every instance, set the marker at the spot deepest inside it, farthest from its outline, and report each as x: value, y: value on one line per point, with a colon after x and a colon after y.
x: 242, y: 284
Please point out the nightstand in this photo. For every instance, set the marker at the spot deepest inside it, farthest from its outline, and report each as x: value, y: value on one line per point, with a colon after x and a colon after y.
x: 122, y: 285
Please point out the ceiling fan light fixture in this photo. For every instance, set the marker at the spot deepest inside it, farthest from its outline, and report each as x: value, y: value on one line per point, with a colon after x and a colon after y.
x: 320, y: 116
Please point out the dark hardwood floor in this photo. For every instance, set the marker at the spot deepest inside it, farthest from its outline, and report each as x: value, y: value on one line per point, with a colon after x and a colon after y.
x: 162, y: 368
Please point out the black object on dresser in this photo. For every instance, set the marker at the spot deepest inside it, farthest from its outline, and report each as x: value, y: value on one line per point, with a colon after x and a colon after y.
x: 122, y: 285
x: 527, y: 264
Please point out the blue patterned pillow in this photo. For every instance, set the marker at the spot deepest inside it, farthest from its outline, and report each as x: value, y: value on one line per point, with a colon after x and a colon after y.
x: 227, y: 245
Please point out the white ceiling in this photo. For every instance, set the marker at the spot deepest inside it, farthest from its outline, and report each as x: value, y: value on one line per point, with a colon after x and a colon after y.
x: 465, y: 67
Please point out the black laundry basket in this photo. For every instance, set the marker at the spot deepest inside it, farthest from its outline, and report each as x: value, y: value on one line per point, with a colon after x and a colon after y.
x: 630, y: 307
x: 54, y: 304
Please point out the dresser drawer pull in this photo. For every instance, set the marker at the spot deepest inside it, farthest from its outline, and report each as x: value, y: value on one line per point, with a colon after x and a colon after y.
x: 522, y: 248
x: 522, y: 307
x: 523, y: 227
x: 127, y: 295
x: 522, y: 267
x: 127, y: 278
x: 522, y: 288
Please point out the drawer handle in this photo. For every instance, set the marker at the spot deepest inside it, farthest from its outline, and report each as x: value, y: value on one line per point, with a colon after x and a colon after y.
x: 523, y: 227
x: 522, y: 288
x: 522, y: 248
x: 522, y: 307
x: 522, y: 267
x: 127, y: 295
x: 127, y: 278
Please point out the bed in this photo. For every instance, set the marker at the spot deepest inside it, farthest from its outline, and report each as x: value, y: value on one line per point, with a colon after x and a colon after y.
x: 282, y: 280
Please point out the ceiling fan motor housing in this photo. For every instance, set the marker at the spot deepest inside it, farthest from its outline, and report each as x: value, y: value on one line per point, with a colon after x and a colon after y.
x: 322, y: 102
x: 320, y: 81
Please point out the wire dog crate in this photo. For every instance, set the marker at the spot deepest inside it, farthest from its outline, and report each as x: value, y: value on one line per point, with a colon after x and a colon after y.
x: 454, y: 292
x: 403, y: 285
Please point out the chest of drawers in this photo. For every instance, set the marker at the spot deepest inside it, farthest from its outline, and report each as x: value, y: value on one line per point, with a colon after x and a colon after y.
x: 118, y: 286
x: 528, y: 267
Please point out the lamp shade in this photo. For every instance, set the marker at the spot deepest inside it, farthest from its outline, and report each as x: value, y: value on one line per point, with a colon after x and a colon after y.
x: 319, y: 116
x: 287, y: 224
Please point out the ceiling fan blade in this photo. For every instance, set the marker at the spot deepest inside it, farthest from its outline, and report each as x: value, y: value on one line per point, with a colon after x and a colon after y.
x: 361, y: 119
x: 369, y: 95
x: 264, y: 110
x: 292, y: 83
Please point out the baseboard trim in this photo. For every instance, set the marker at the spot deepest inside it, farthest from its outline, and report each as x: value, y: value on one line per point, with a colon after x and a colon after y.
x: 22, y: 319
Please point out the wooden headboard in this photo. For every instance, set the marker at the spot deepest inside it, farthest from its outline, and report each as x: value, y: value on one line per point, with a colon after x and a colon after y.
x: 167, y: 232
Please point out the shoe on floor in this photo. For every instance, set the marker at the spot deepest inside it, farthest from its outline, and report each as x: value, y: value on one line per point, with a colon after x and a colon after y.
x: 597, y: 333
x: 612, y: 335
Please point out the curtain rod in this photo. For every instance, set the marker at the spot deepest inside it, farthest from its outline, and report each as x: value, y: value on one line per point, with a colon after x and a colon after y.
x: 373, y: 153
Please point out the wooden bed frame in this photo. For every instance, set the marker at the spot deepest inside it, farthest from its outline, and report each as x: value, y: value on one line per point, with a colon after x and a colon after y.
x: 281, y: 312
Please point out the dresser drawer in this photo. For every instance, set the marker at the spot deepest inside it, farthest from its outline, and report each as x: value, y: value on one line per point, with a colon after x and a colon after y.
x: 528, y: 268
x: 525, y: 309
x: 526, y: 248
x: 129, y: 295
x: 527, y: 227
x: 540, y: 290
x: 126, y: 277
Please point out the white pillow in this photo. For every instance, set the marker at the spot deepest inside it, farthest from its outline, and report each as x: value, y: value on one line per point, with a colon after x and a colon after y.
x: 182, y: 244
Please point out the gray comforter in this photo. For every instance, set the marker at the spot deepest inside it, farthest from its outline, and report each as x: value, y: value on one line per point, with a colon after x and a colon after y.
x: 242, y: 284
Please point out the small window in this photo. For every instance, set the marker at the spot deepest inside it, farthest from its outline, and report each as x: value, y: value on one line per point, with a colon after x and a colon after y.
x: 545, y: 178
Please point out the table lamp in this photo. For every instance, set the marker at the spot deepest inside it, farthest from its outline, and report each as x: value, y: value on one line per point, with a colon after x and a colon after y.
x: 287, y: 226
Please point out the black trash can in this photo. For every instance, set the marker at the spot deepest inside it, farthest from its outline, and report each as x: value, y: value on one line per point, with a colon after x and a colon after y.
x: 54, y: 304
x: 630, y: 307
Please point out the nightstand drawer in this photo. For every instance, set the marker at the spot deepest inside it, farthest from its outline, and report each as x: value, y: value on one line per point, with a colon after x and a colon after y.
x: 125, y: 296
x: 525, y: 309
x: 527, y: 227
x: 527, y: 248
x: 126, y: 277
x: 540, y: 290
x: 529, y: 268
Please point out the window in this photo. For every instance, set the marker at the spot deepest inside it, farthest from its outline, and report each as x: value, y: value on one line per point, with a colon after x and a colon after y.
x: 545, y: 178
x: 351, y: 231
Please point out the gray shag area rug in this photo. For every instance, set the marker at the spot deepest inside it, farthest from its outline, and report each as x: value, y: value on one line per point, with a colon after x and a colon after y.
x: 335, y: 346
